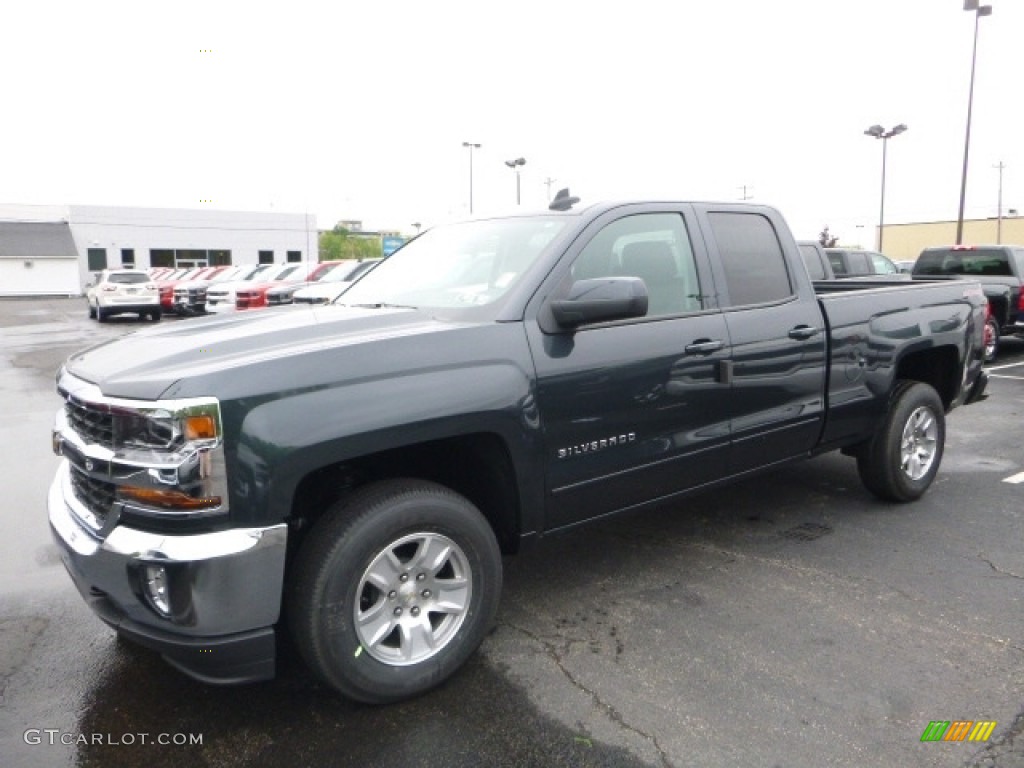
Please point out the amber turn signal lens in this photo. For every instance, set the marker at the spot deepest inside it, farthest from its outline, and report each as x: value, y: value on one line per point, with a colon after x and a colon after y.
x: 154, y: 497
x: 200, y: 428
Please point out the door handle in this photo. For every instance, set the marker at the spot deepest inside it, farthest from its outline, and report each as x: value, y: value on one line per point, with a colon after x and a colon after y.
x: 803, y: 332
x: 704, y: 346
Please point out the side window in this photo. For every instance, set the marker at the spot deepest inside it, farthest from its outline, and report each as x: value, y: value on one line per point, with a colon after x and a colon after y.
x: 752, y: 257
x: 858, y: 263
x: 882, y: 265
x: 654, y: 247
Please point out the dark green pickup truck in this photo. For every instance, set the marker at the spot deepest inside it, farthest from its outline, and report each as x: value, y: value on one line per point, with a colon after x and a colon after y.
x: 354, y: 473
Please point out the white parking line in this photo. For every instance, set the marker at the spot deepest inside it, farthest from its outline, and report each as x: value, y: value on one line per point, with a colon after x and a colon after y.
x: 1003, y: 367
x: 1004, y: 376
x: 1015, y: 479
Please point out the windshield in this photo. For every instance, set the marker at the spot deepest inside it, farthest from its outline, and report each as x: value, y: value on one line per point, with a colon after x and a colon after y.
x: 456, y: 266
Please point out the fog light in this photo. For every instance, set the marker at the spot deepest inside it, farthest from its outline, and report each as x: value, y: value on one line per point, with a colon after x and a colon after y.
x: 155, y: 579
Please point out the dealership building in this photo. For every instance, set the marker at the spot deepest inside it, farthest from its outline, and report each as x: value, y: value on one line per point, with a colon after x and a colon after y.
x: 51, y: 250
x: 906, y: 241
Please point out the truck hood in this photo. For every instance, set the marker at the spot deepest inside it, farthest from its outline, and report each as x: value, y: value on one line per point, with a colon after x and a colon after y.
x: 146, y: 364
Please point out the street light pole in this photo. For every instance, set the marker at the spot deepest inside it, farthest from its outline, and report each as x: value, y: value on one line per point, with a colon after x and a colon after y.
x: 999, y: 210
x: 879, y: 132
x: 515, y: 165
x: 471, y: 146
x: 979, y: 11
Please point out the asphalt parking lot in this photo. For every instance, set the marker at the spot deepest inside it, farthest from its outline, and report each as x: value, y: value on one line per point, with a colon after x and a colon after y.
x: 792, y: 620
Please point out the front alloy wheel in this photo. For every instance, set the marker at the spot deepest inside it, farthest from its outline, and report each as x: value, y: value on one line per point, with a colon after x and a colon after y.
x: 393, y: 588
x: 413, y: 598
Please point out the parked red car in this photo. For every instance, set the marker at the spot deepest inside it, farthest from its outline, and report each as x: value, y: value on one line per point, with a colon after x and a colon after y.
x: 255, y: 296
x: 168, y: 284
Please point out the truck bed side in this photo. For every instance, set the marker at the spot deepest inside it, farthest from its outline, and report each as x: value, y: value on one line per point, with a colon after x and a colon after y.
x: 895, y: 330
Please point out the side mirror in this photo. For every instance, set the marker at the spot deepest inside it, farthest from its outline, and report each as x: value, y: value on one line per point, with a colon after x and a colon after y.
x: 600, y: 300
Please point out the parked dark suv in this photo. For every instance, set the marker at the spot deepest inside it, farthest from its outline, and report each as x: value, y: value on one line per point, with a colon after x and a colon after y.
x: 998, y: 268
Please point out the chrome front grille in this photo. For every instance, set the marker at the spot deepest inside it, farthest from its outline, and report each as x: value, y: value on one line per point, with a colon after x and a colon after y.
x: 96, y: 495
x: 93, y: 423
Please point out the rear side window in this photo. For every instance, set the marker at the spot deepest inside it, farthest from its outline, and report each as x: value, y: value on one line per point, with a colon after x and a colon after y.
x: 752, y: 257
x: 994, y: 262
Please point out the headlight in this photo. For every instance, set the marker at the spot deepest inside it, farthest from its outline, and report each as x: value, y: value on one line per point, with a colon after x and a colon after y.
x: 151, y: 462
x: 160, y: 429
x: 137, y: 429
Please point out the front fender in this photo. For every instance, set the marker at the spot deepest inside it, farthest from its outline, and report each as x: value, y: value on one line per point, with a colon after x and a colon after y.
x: 284, y: 439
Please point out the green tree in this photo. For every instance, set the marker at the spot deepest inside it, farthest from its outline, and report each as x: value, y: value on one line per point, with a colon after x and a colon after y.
x: 339, y: 244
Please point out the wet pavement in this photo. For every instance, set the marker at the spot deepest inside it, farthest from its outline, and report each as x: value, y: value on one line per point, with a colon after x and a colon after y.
x: 791, y: 620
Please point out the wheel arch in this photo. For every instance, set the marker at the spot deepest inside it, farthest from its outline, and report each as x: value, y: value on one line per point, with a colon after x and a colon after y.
x: 478, y: 466
x: 938, y: 367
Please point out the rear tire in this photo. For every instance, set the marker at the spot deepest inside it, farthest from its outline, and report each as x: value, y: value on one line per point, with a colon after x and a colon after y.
x: 92, y: 312
x: 900, y: 462
x: 101, y: 316
x: 394, y: 588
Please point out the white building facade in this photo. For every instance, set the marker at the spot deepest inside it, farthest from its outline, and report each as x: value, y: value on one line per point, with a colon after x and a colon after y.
x: 35, y: 261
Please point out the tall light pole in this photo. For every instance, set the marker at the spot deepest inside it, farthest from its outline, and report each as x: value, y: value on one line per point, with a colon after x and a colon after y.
x: 880, y: 133
x: 515, y: 165
x: 471, y: 146
x: 999, y: 210
x: 979, y: 11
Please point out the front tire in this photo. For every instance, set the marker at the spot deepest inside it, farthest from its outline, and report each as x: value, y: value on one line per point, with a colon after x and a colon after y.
x: 900, y: 462
x: 394, y: 588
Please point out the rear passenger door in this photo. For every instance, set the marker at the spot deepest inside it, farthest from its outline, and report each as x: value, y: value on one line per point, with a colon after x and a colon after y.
x: 633, y: 410
x: 776, y: 333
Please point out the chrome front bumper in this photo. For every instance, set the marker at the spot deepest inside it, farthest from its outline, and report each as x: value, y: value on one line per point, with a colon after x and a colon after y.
x: 224, y: 588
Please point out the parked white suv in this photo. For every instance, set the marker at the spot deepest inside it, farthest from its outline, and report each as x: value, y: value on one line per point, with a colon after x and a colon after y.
x: 117, y: 291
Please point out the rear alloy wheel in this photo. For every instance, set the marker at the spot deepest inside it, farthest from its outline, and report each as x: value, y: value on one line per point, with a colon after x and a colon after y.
x: 900, y: 462
x: 394, y: 588
x: 991, y: 340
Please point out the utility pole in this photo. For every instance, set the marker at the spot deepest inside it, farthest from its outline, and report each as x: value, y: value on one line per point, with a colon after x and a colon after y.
x: 547, y: 183
x: 999, y: 211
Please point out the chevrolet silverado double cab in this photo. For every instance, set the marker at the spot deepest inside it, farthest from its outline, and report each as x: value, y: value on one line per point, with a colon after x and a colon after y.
x: 1000, y: 271
x: 354, y: 473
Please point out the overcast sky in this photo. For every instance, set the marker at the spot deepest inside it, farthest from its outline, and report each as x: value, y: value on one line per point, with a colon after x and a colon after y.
x: 359, y: 110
